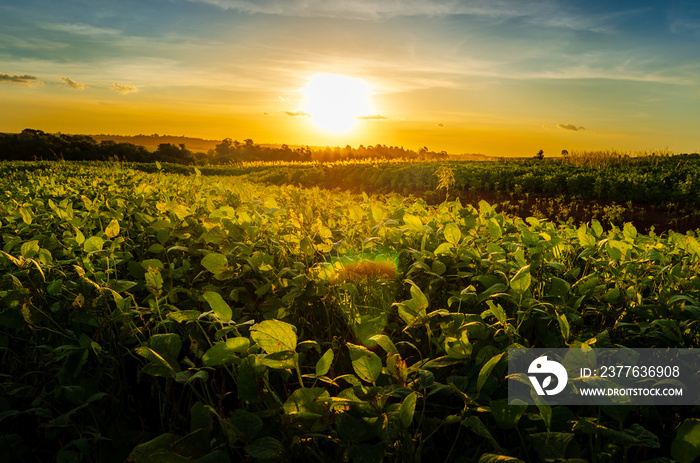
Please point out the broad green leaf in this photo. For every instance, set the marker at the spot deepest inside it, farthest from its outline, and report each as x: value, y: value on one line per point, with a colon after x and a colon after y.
x: 158, y: 366
x: 452, y: 233
x: 378, y: 213
x: 218, y: 305
x: 551, y: 446
x: 144, y: 453
x: 418, y: 298
x: 265, y: 448
x: 55, y: 287
x: 495, y: 229
x: 324, y: 363
x: 366, y: 363
x: 413, y: 223
x: 26, y: 214
x: 246, y: 423
x: 215, y: 262
x: 305, y: 401
x: 585, y: 239
x: 685, y: 447
x: 285, y: 360
x: 112, y: 229
x: 29, y: 249
x: 486, y: 371
x: 521, y: 281
x: 408, y: 407
x: 506, y: 415
x: 224, y: 353
x: 274, y: 336
x: 92, y: 244
x: 386, y: 343
x: 474, y: 424
x: 168, y: 346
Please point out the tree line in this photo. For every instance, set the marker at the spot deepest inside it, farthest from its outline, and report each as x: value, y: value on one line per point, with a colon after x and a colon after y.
x: 33, y: 144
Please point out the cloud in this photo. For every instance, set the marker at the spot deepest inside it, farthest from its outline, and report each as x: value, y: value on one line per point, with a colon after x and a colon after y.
x: 570, y: 127
x: 80, y: 29
x: 73, y: 84
x: 297, y: 113
x: 25, y: 80
x: 124, y: 88
x: 374, y: 117
x: 374, y: 9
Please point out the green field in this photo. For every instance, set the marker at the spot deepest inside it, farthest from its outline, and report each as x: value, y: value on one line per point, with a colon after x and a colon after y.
x: 172, y: 317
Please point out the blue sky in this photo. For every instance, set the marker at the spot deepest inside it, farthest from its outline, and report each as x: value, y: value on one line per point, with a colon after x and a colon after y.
x: 496, y: 77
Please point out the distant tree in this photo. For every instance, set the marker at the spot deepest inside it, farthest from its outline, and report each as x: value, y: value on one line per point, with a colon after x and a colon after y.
x: 167, y: 152
x: 540, y: 155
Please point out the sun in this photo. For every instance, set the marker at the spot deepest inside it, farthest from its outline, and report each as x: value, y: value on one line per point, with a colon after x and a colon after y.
x: 334, y: 102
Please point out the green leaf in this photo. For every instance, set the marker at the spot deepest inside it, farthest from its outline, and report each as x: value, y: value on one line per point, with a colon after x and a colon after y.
x: 265, y: 448
x: 304, y: 401
x: 324, y: 363
x: 563, y: 326
x: 486, y: 371
x: 112, y: 229
x: 495, y: 229
x: 408, y: 407
x: 215, y: 262
x: 386, y: 343
x: 92, y: 244
x: 506, y: 415
x: 145, y: 452
x: 55, y: 287
x: 168, y: 346
x: 452, y: 233
x: 284, y: 360
x: 521, y: 281
x: 29, y: 249
x: 274, y: 336
x: 158, y: 366
x: 685, y: 447
x: 474, y: 424
x: 419, y: 300
x: 224, y: 353
x: 366, y: 363
x: 218, y: 305
x: 413, y: 223
x: 26, y: 214
x: 493, y: 458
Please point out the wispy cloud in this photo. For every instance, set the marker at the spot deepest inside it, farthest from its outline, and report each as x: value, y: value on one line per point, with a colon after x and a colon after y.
x: 73, y: 84
x: 80, y: 29
x: 373, y: 117
x: 24, y: 80
x: 570, y: 127
x: 124, y: 88
x: 297, y: 113
x: 378, y: 9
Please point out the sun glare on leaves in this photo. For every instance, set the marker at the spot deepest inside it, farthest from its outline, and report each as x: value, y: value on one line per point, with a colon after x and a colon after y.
x: 335, y: 102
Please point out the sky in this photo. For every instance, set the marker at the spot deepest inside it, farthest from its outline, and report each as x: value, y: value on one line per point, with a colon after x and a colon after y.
x: 496, y: 77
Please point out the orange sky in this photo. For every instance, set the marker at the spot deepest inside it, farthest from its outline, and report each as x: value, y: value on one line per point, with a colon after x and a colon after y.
x: 502, y: 78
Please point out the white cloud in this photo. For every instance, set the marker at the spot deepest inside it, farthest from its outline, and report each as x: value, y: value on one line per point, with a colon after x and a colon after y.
x: 80, y: 29
x: 124, y: 88
x: 73, y: 84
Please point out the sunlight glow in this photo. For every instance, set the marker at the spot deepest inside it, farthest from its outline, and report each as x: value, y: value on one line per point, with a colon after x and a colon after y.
x: 335, y: 102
